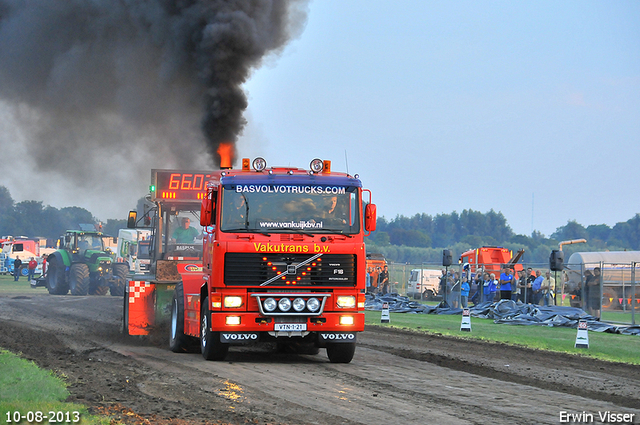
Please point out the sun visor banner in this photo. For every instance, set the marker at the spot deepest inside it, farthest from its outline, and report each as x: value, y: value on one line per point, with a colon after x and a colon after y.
x: 301, y: 189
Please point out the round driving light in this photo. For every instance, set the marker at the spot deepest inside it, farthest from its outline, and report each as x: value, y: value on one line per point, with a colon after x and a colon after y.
x: 269, y: 304
x: 299, y: 304
x: 313, y: 304
x: 259, y: 164
x: 284, y: 304
x: 316, y: 165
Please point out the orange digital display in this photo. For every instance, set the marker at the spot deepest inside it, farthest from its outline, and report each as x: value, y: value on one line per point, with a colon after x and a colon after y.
x: 180, y: 185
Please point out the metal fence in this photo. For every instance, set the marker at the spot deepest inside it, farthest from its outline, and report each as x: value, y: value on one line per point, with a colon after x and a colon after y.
x: 611, y: 295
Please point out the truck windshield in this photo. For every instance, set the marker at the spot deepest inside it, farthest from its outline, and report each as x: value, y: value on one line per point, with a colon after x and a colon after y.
x: 180, y: 235
x: 290, y: 209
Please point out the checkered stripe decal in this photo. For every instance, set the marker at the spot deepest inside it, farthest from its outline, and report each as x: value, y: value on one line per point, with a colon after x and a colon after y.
x: 136, y: 289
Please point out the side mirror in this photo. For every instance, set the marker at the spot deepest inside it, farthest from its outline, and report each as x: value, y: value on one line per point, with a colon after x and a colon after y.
x: 370, y: 218
x: 207, y: 209
x: 131, y: 221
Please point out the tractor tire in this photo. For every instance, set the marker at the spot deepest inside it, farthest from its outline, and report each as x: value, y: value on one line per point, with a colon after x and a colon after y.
x: 56, y: 280
x: 79, y: 279
x: 94, y: 289
x: 121, y: 271
x: 178, y: 341
x: 341, y: 352
x: 210, y: 345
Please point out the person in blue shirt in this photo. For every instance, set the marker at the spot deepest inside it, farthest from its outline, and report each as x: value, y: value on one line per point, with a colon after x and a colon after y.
x: 506, y: 279
x: 490, y: 287
x: 464, y: 292
x: 536, y: 287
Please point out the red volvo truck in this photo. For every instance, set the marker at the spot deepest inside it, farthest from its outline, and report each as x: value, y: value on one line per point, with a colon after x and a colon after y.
x: 281, y: 259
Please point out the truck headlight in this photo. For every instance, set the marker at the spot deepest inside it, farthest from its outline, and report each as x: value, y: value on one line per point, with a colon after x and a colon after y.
x: 232, y: 302
x: 284, y: 304
x: 346, y: 301
x: 270, y: 304
x: 313, y: 304
x: 299, y: 304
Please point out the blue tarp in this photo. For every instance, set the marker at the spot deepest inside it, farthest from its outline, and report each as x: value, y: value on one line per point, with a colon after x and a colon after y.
x: 504, y: 311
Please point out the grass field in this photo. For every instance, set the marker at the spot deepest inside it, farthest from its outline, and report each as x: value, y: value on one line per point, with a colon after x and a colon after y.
x: 37, y: 395
x: 604, y: 346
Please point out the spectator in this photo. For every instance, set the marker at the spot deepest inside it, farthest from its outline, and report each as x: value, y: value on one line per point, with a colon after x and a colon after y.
x: 17, y: 264
x: 478, y: 295
x: 32, y: 268
x: 442, y: 290
x: 383, y: 279
x: 506, y: 279
x: 490, y: 287
x: 536, y: 288
x: 464, y: 292
x: 454, y: 298
x: 368, y: 279
x: 531, y: 276
x: 548, y: 286
x: 592, y: 285
x: 522, y: 287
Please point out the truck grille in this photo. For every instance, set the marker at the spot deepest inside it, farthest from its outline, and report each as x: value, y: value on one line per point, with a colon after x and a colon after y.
x: 251, y: 269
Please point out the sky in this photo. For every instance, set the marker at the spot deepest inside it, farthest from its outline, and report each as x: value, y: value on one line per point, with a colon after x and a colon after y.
x: 529, y: 108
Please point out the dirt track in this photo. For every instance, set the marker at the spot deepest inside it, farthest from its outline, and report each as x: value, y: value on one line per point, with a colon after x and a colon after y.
x: 396, y: 377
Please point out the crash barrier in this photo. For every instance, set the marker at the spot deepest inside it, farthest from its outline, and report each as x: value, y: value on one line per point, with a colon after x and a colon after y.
x: 504, y: 311
x: 618, y: 300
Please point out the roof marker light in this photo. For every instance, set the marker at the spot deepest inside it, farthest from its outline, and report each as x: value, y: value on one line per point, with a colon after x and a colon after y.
x: 316, y: 165
x: 259, y: 164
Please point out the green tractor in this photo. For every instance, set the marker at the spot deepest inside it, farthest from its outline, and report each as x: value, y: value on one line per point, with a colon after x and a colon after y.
x: 83, y: 265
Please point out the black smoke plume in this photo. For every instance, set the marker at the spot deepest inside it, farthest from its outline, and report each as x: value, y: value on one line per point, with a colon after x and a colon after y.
x: 145, y: 83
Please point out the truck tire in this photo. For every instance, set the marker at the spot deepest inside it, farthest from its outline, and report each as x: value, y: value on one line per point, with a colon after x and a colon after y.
x: 210, y: 345
x: 121, y: 271
x: 178, y: 341
x: 56, y: 280
x: 79, y: 279
x: 341, y: 352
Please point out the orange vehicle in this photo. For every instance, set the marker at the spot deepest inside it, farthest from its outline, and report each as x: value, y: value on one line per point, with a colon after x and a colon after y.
x: 282, y: 260
x: 491, y: 259
x: 375, y: 264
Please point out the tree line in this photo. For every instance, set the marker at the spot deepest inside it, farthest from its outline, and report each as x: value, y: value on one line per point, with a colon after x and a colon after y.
x: 422, y: 237
x: 33, y: 219
x: 417, y: 239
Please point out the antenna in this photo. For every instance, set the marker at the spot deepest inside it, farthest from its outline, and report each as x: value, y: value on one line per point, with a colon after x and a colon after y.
x: 346, y: 160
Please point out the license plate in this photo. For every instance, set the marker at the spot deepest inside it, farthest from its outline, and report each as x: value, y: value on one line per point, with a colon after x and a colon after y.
x: 288, y: 327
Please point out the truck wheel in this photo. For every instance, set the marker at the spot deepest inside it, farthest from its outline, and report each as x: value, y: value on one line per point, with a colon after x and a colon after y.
x: 341, y: 352
x: 120, y: 271
x: 210, y: 345
x: 178, y: 341
x: 79, y: 279
x: 56, y: 282
x: 429, y: 295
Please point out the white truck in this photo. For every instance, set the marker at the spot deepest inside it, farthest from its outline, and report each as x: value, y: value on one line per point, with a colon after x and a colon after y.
x: 424, y: 283
x: 133, y: 249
